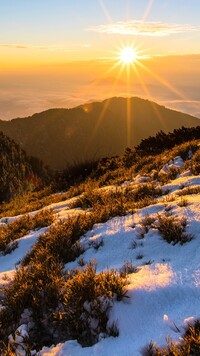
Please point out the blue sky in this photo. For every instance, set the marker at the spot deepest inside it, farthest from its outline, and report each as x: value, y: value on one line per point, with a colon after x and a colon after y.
x: 73, y: 25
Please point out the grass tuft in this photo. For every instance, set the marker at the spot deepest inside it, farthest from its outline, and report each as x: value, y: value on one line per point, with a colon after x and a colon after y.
x: 21, y: 226
x: 173, y: 230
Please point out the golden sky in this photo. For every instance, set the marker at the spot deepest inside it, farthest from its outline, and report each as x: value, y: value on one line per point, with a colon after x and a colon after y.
x: 69, y: 52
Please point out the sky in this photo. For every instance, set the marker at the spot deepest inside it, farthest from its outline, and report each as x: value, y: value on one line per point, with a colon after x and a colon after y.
x: 57, y: 48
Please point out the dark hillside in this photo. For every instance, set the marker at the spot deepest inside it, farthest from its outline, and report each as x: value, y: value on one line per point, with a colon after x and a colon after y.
x: 64, y: 136
x: 18, y: 172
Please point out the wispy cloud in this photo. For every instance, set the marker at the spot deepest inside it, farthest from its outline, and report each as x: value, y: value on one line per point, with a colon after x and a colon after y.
x: 20, y: 46
x: 46, y: 48
x: 142, y: 28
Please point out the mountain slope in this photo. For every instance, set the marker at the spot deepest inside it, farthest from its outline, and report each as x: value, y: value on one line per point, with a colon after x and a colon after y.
x: 18, y: 172
x: 144, y: 227
x: 63, y: 136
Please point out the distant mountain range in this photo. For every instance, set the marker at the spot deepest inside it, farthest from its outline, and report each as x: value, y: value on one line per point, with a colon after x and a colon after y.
x: 63, y: 136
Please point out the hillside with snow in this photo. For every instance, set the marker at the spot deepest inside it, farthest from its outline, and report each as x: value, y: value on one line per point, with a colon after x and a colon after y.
x: 111, y: 267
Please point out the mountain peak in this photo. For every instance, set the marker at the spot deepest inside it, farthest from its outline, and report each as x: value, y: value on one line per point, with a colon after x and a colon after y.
x: 63, y: 136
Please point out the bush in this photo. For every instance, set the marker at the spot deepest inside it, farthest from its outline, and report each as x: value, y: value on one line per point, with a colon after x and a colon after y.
x: 30, y: 202
x: 194, y: 164
x: 170, y: 175
x: 190, y: 346
x: 37, y: 288
x: 74, y: 305
x: 61, y: 240
x: 173, y: 229
x: 189, y: 190
x: 127, y: 268
x: 87, y: 301
x: 147, y: 223
x: 144, y: 191
x: 74, y: 174
x: 20, y: 227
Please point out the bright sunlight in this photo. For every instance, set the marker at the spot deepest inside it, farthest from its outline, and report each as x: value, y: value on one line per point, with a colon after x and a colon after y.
x: 128, y: 55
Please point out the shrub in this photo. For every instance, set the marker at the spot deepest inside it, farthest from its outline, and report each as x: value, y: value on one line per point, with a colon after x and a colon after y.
x: 183, y: 202
x: 185, y: 149
x: 30, y: 202
x: 144, y: 191
x: 127, y: 268
x: 87, y: 301
x: 74, y: 174
x: 194, y: 164
x: 173, y: 230
x: 156, y: 144
x: 105, y: 165
x: 170, y: 175
x: 129, y: 157
x: 20, y: 227
x: 147, y: 222
x: 61, y: 240
x: 89, y: 199
x: 103, y: 205
x: 37, y: 288
x: 76, y: 304
x: 189, y: 190
x: 190, y: 346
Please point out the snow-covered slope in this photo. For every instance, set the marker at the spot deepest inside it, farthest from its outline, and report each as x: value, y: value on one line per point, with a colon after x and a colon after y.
x: 164, y: 289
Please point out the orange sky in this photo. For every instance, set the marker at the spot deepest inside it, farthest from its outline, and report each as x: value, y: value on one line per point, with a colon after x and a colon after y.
x: 68, y: 52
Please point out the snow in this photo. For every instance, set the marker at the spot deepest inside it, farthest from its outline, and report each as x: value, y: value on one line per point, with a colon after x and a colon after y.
x: 177, y: 162
x: 164, y: 292
x: 181, y: 182
x: 9, y: 261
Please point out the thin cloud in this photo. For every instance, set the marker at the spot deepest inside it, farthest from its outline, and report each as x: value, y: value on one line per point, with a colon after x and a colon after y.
x: 46, y: 48
x: 19, y: 46
x: 142, y: 28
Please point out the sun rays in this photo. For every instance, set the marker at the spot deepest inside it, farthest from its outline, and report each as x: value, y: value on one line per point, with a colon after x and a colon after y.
x: 128, y: 55
x: 128, y: 61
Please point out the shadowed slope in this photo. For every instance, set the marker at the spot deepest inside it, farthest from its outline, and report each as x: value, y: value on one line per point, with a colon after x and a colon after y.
x: 63, y: 136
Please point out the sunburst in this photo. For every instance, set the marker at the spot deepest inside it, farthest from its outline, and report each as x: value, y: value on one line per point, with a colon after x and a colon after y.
x: 128, y: 55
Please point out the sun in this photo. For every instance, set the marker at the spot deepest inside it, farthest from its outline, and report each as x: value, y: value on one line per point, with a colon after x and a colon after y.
x: 128, y: 55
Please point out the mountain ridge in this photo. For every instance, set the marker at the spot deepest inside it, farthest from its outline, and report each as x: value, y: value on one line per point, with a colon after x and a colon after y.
x: 63, y: 136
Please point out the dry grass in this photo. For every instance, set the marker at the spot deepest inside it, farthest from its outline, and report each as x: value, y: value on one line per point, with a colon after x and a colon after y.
x: 21, y: 226
x: 173, y: 230
x: 190, y: 346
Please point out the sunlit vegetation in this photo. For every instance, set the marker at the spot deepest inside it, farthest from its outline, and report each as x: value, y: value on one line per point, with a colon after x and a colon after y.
x: 64, y: 304
x: 190, y: 345
x: 87, y: 302
x: 189, y: 190
x: 173, y: 230
x: 21, y: 226
x: 30, y: 202
x: 87, y: 175
x: 53, y: 296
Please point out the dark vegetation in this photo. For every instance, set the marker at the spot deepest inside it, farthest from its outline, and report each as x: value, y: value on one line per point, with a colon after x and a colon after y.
x: 18, y: 172
x: 61, y: 137
x: 162, y: 140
